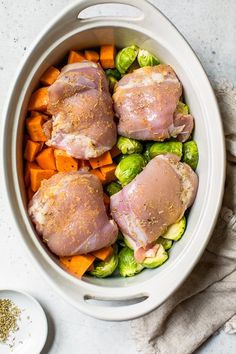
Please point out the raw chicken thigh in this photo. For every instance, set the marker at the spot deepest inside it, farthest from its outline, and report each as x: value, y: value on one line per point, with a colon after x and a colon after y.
x: 145, y: 102
x: 81, y: 105
x: 154, y: 200
x: 69, y: 213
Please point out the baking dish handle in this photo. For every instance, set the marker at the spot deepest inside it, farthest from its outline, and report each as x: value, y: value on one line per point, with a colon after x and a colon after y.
x: 113, y: 307
x: 145, y: 8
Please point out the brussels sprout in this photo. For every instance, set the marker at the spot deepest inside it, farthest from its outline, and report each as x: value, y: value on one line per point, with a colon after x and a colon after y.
x: 129, y: 167
x: 146, y: 153
x: 190, y: 153
x: 103, y: 269
x: 112, y: 81
x: 129, y: 146
x: 145, y: 58
x: 175, y: 231
x: 167, y: 244
x: 182, y: 108
x: 127, y: 264
x: 125, y: 58
x: 114, y: 73
x: 153, y: 262
x: 113, y: 188
x: 169, y: 147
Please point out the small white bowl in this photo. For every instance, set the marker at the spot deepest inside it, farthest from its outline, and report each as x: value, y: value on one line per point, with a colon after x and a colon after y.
x: 33, y: 327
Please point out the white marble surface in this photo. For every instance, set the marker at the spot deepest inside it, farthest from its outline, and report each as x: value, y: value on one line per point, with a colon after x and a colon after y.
x: 210, y: 27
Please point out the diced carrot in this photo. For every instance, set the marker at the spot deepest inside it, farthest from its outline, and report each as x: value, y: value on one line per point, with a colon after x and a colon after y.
x: 108, y: 172
x: 75, y: 57
x: 65, y: 162
x: 38, y: 175
x: 104, y: 159
x: 31, y: 150
x: 28, y: 166
x: 30, y: 193
x: 91, y: 55
x: 39, y: 100
x: 41, y: 143
x: 115, y: 151
x: 46, y: 159
x: 104, y: 253
x: 107, y: 56
x: 50, y: 76
x: 99, y: 174
x: 35, y: 129
x: 90, y: 268
x: 78, y: 265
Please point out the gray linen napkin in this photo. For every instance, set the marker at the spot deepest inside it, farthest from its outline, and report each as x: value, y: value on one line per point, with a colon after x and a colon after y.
x: 207, y: 299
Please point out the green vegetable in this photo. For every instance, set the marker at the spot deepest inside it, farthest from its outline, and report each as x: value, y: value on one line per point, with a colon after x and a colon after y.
x: 112, y: 81
x: 190, y: 153
x: 167, y: 244
x: 175, y: 231
x: 129, y: 146
x: 127, y: 264
x: 103, y: 269
x: 146, y: 153
x: 114, y: 73
x: 129, y: 167
x: 113, y: 188
x: 125, y: 58
x: 145, y: 58
x: 173, y: 147
x: 160, y: 257
x: 182, y: 108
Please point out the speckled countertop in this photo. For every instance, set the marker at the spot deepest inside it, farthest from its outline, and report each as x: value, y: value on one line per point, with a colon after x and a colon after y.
x: 210, y: 28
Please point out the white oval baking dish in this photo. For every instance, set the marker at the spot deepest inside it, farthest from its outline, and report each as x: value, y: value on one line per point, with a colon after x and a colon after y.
x: 132, y: 297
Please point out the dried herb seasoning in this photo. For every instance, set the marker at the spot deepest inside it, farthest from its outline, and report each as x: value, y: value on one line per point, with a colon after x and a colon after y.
x: 9, y: 315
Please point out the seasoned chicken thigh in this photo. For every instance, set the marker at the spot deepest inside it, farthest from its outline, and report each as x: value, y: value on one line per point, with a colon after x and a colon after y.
x: 68, y: 211
x: 145, y: 102
x: 81, y: 105
x: 154, y: 200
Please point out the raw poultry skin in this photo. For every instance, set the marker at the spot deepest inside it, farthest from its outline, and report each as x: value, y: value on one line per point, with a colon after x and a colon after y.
x: 145, y: 102
x: 69, y: 213
x: 154, y: 200
x: 81, y: 105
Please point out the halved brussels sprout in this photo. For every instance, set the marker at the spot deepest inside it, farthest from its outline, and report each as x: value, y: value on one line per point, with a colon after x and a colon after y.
x: 145, y: 58
x: 175, y: 231
x: 129, y: 146
x: 168, y: 147
x: 182, y: 108
x: 112, y: 82
x: 113, y: 188
x: 125, y: 58
x: 103, y: 269
x: 167, y: 244
x: 114, y: 73
x: 129, y: 167
x: 153, y: 262
x: 190, y: 154
x: 127, y: 265
x: 146, y: 153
